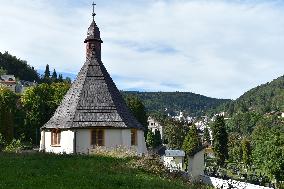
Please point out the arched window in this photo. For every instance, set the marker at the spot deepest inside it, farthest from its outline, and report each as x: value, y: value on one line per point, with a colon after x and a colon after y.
x: 55, y: 137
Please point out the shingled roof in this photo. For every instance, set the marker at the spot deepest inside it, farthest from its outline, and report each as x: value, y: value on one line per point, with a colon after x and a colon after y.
x: 93, y: 99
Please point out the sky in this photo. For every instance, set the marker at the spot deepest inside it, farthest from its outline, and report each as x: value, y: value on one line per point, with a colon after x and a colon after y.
x: 217, y: 48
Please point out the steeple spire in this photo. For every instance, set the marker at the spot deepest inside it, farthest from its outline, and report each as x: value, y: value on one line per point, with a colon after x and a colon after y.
x: 94, y: 14
x: 93, y: 40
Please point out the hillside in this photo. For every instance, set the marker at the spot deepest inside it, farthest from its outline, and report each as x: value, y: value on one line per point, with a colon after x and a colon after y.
x: 261, y: 99
x: 40, y: 170
x: 19, y: 68
x: 193, y: 104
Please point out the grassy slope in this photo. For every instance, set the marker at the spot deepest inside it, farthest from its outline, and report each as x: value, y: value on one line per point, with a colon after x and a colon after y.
x: 65, y: 171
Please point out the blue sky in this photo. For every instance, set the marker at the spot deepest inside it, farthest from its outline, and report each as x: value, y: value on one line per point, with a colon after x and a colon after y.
x: 218, y: 48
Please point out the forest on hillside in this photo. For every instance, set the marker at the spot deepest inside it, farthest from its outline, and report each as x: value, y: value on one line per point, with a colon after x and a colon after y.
x: 10, y: 64
x: 190, y: 103
x: 265, y: 98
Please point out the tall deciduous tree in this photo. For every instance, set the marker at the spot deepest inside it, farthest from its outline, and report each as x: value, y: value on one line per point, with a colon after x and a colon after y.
x: 39, y: 103
x: 220, y: 140
x: 268, y: 150
x: 234, y: 147
x: 175, y: 133
x: 246, y: 152
x: 138, y: 109
x: 8, y: 108
x: 191, y: 141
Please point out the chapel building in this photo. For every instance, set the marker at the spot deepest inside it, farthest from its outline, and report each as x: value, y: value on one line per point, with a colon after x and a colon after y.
x: 93, y: 112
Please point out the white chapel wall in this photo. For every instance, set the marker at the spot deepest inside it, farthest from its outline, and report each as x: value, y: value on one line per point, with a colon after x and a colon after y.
x: 141, y: 147
x: 66, y: 142
x: 83, y: 141
x: 113, y: 138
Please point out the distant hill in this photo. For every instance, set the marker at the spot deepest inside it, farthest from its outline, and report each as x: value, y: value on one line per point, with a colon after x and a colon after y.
x: 261, y: 99
x: 19, y: 68
x: 192, y: 104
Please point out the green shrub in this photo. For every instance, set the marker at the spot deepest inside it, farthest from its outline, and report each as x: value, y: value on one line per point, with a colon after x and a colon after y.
x: 15, y: 146
x: 117, y: 152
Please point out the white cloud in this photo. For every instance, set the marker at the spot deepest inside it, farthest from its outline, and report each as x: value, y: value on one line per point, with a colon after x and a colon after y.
x: 216, y: 48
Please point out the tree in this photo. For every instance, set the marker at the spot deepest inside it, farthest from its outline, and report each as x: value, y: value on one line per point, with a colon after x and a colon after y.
x: 68, y: 80
x: 60, y: 78
x: 268, y: 150
x: 175, y: 133
x: 150, y: 139
x: 157, y: 138
x: 2, y: 71
x: 246, y: 152
x: 39, y: 103
x: 46, y: 72
x: 8, y: 109
x: 220, y: 140
x: 234, y: 147
x: 191, y: 141
x: 17, y: 67
x: 46, y: 77
x: 54, y: 75
x: 138, y: 109
x: 206, y: 136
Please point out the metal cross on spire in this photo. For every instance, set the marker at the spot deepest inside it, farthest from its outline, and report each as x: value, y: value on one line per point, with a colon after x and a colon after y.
x: 94, y: 14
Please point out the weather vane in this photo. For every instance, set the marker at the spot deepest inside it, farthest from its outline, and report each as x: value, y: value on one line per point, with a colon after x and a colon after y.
x: 94, y: 14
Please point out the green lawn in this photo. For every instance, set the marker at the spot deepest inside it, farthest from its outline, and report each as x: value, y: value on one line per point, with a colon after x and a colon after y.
x: 77, y: 171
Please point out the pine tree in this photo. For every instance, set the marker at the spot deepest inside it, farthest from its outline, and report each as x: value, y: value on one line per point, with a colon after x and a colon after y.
x: 46, y: 72
x: 220, y: 140
x: 206, y: 135
x: 54, y: 75
x: 60, y: 78
x: 191, y: 141
x: 68, y: 80
x: 150, y: 139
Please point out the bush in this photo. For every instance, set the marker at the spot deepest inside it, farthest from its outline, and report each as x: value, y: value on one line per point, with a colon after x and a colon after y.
x: 118, y: 151
x: 15, y: 146
x: 151, y: 164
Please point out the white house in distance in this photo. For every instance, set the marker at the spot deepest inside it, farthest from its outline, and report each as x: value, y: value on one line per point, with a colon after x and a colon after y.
x: 154, y: 125
x: 93, y: 112
x: 8, y: 81
x: 173, y: 159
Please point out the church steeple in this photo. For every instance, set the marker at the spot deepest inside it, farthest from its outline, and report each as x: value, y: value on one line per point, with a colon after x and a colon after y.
x: 93, y: 40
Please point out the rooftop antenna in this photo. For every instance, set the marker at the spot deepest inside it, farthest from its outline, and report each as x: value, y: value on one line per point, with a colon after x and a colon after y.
x: 94, y: 14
